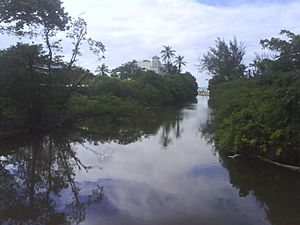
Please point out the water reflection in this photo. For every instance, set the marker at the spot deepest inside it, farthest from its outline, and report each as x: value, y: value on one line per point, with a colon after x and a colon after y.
x: 37, y: 171
x: 153, y: 169
x: 33, y: 172
x: 277, y: 189
x: 126, y: 130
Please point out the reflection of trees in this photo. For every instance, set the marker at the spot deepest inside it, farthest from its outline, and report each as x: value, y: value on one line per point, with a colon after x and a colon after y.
x: 171, y: 127
x: 276, y: 188
x: 167, y: 127
x: 32, y: 177
x: 207, y: 130
x: 37, y: 169
x: 129, y: 130
x: 165, y: 135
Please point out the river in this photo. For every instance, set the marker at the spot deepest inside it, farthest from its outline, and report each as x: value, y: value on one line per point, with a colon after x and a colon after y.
x: 159, y: 170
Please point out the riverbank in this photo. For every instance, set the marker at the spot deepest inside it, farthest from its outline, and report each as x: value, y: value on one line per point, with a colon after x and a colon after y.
x: 110, y: 112
x: 285, y: 166
x: 260, y: 158
x: 203, y: 94
x: 147, y: 168
x: 256, y: 113
x: 252, y: 117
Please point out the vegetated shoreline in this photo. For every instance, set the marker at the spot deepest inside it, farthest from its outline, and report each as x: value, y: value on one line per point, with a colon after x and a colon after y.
x: 203, y: 94
x: 9, y: 132
x: 282, y: 165
x: 255, y: 114
x: 274, y: 163
x: 68, y: 121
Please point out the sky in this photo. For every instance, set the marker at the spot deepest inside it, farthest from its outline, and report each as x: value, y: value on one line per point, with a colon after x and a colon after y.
x: 138, y: 29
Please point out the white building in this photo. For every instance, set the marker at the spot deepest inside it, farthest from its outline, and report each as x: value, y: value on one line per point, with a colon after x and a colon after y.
x: 154, y: 65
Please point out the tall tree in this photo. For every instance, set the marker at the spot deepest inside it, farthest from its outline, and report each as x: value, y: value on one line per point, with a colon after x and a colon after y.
x: 288, y: 51
x: 127, y: 70
x: 19, y: 81
x: 284, y: 57
x: 77, y: 33
x: 103, y: 70
x: 179, y: 62
x: 35, y: 17
x: 224, y: 61
x: 167, y: 54
x: 23, y: 17
x: 46, y: 18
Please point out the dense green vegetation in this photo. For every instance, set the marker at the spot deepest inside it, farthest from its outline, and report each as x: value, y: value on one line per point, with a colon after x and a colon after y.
x: 40, y: 88
x: 28, y: 100
x: 256, y: 113
x: 124, y: 97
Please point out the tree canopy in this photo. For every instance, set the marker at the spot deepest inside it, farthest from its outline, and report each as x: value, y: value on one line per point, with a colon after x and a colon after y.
x: 39, y: 88
x: 288, y: 51
x: 225, y: 60
x: 167, y: 54
x: 259, y: 115
x: 127, y: 70
x: 179, y: 62
x: 18, y: 16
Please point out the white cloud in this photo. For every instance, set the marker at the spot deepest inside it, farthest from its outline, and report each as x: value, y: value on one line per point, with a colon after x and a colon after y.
x: 137, y: 29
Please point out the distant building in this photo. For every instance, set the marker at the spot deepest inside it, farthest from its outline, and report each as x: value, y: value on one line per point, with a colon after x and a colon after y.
x: 154, y: 65
x: 203, y: 91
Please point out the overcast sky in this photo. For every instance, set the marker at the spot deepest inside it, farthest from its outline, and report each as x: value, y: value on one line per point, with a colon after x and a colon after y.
x: 137, y: 29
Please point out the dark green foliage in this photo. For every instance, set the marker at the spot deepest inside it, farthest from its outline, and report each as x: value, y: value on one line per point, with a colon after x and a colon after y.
x: 129, y: 70
x: 27, y: 99
x: 100, y: 105
x: 225, y: 61
x: 19, y: 82
x: 38, y: 89
x: 118, y: 97
x: 32, y: 13
x: 149, y: 88
x: 288, y: 52
x: 259, y: 116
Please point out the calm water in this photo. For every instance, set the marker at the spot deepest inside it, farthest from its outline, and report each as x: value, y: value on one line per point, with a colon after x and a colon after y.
x: 154, y: 170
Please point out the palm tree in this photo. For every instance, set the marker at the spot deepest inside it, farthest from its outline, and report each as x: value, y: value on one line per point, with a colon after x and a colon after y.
x: 179, y: 62
x: 102, y: 70
x: 167, y: 54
